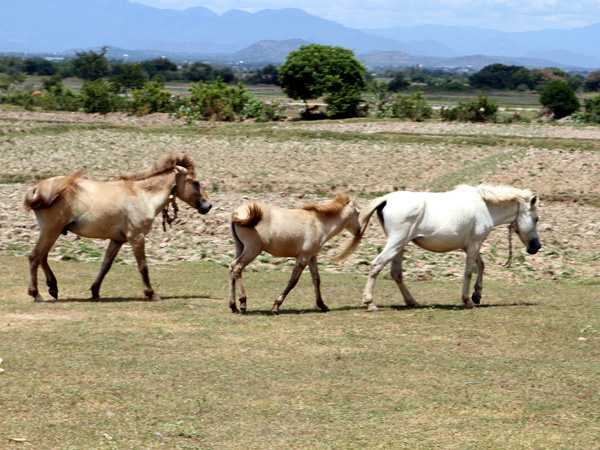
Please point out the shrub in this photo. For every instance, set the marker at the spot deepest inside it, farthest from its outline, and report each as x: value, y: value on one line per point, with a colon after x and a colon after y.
x: 480, y: 110
x: 413, y: 107
x: 344, y: 102
x: 152, y: 98
x: 592, y: 81
x: 214, y: 101
x: 98, y: 97
x: 262, y: 111
x: 60, y: 98
x: 398, y: 83
x: 591, y: 113
x: 559, y: 99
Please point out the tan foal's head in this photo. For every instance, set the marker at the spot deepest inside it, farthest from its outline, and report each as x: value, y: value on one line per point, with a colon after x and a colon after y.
x: 191, y: 191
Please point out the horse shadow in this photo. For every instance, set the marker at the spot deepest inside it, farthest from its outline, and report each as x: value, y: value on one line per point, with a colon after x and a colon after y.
x: 129, y: 299
x: 398, y: 307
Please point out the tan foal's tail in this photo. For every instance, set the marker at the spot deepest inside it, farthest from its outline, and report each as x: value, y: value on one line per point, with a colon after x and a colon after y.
x: 248, y: 217
x: 376, y: 205
x: 47, y: 192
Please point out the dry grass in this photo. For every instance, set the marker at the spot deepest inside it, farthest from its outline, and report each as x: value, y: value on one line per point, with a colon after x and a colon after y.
x: 521, y: 372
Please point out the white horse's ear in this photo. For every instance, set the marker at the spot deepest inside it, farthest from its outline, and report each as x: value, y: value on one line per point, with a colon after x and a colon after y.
x: 181, y: 170
x: 533, y: 201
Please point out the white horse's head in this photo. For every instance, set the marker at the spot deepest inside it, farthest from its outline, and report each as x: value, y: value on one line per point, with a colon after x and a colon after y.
x: 525, y: 224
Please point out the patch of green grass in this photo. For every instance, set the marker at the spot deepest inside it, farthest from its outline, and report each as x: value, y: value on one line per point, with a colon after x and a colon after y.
x: 186, y: 373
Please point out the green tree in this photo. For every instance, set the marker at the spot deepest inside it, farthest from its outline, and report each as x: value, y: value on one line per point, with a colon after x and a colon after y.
x: 501, y: 76
x: 592, y: 81
x: 39, y: 66
x: 129, y: 76
x: 152, y: 98
x: 163, y: 67
x: 559, y: 98
x: 267, y: 75
x: 398, y: 83
x: 98, y: 97
x: 91, y: 65
x: 316, y: 70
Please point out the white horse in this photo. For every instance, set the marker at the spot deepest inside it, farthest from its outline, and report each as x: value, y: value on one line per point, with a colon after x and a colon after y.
x: 441, y: 222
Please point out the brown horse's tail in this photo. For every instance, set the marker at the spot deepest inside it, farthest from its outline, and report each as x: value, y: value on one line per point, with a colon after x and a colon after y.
x: 376, y: 205
x: 47, y: 192
x: 253, y: 215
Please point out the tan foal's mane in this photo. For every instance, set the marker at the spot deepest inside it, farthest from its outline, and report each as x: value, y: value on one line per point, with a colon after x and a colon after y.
x: 331, y: 207
x: 165, y: 163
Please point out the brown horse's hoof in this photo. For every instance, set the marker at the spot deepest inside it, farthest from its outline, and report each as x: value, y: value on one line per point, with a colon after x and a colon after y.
x: 234, y: 309
x: 53, y: 293
x: 38, y: 299
x: 476, y: 298
x: 323, y: 307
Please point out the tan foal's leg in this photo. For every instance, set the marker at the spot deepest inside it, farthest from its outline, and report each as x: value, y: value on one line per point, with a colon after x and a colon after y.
x: 479, y: 281
x: 248, y: 255
x: 396, y: 273
x: 298, y: 268
x: 138, y: 244
x: 111, y: 252
x: 38, y: 256
x: 316, y: 279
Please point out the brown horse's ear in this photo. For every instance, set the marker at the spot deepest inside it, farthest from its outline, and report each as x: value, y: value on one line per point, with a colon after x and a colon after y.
x: 533, y: 201
x: 181, y: 170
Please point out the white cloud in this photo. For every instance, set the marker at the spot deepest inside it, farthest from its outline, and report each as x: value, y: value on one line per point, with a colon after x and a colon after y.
x: 500, y: 14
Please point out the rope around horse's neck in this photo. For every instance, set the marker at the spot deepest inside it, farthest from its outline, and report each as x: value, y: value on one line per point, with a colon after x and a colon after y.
x: 511, y: 227
x: 166, y: 218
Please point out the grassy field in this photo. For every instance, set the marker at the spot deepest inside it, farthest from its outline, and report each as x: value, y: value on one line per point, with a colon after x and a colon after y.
x: 521, y: 372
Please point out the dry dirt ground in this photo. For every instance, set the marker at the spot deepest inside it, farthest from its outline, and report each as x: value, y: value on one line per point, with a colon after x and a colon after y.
x: 291, y: 163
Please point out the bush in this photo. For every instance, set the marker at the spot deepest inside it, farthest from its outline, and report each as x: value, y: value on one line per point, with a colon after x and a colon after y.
x: 98, y: 97
x: 60, y: 98
x: 152, y: 98
x: 215, y: 101
x: 592, y: 81
x: 480, y: 110
x: 559, y: 99
x: 413, y: 107
x: 262, y: 111
x: 591, y: 113
x: 398, y: 83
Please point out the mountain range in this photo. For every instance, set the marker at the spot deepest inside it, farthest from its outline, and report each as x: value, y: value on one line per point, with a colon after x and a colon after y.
x: 43, y: 26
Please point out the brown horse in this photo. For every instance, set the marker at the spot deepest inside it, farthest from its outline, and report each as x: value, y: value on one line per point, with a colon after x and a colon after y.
x: 291, y: 233
x: 121, y: 210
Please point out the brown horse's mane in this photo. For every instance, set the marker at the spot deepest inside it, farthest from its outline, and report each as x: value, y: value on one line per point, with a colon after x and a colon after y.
x: 165, y: 163
x: 331, y: 207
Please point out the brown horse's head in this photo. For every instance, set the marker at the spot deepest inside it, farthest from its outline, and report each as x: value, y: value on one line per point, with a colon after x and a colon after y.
x: 191, y: 191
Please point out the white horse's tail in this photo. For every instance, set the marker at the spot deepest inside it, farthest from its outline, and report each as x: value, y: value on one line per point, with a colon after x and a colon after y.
x: 376, y: 205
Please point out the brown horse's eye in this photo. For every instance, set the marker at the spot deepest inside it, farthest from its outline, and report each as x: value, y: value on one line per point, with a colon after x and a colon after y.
x: 196, y: 184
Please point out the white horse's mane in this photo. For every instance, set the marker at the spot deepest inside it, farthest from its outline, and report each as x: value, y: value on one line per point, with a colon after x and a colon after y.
x: 500, y: 193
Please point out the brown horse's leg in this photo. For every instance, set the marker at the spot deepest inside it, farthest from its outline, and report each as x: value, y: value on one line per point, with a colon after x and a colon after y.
x: 111, y: 252
x: 479, y: 281
x: 316, y: 279
x: 38, y: 256
x: 298, y: 268
x: 50, y: 278
x: 396, y: 273
x: 138, y: 244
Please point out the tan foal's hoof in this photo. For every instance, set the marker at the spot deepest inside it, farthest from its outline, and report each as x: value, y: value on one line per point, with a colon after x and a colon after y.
x: 468, y: 304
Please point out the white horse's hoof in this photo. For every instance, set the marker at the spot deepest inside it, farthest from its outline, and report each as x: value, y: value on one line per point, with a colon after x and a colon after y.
x: 372, y: 307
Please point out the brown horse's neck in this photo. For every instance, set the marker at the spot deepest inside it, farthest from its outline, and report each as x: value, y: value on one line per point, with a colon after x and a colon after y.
x: 157, y: 189
x: 330, y: 225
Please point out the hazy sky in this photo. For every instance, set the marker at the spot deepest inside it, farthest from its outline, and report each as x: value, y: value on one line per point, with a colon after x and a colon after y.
x: 506, y: 15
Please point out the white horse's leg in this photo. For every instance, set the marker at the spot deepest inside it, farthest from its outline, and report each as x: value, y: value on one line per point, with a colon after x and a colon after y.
x: 396, y: 273
x: 470, y: 264
x: 479, y: 281
x: 298, y: 269
x: 394, y: 245
x: 316, y: 279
